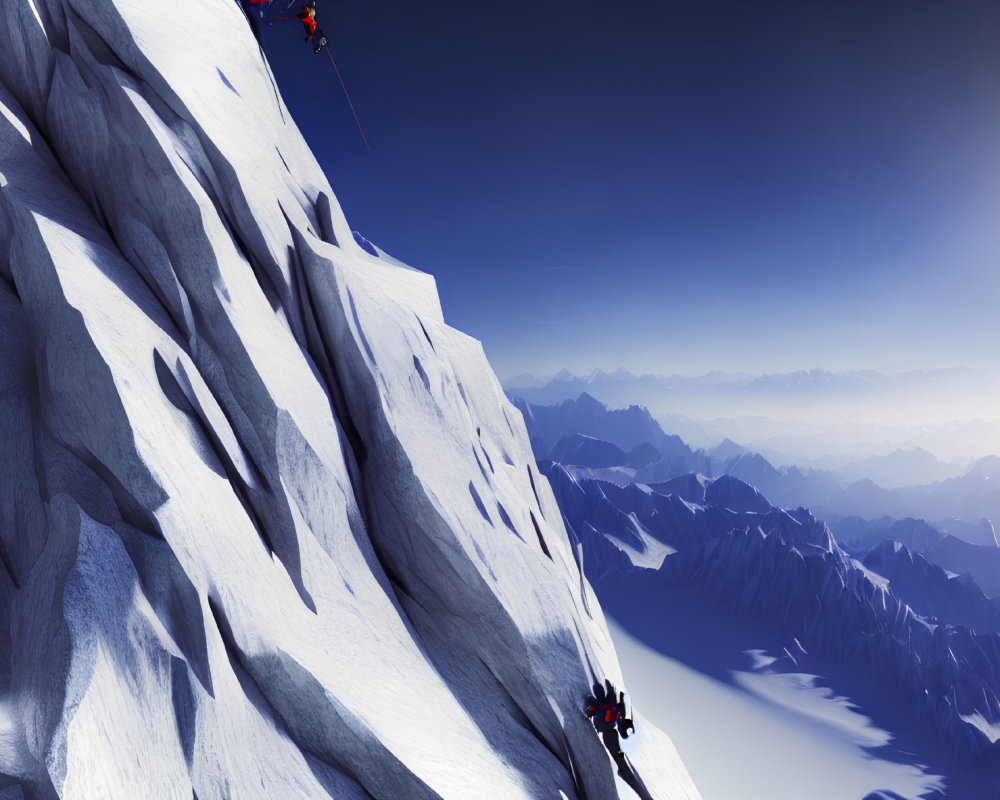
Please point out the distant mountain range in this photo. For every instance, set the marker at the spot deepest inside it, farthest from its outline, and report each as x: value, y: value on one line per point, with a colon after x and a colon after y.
x: 967, y: 499
x: 626, y: 446
x: 599, y: 382
x: 625, y: 428
x: 911, y: 467
x: 974, y: 553
x: 816, y: 417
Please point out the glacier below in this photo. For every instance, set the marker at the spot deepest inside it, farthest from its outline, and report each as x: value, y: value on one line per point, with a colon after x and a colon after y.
x: 719, y: 584
x: 268, y: 526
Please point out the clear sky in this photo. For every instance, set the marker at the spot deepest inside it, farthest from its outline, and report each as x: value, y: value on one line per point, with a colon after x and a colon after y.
x: 668, y: 186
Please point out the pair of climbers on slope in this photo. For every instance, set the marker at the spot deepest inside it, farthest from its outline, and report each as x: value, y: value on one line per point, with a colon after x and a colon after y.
x: 609, y: 713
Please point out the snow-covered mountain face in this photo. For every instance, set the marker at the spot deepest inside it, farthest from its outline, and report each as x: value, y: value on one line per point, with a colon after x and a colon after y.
x: 268, y: 527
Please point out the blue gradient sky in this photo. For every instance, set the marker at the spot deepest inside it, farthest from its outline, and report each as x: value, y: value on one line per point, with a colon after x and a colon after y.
x: 675, y: 186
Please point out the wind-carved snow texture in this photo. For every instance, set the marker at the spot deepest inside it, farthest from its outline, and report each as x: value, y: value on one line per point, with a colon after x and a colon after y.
x: 784, y: 568
x: 269, y: 527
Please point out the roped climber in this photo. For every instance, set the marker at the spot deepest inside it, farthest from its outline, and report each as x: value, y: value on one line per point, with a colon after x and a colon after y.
x: 308, y: 18
x: 609, y: 712
x: 609, y: 715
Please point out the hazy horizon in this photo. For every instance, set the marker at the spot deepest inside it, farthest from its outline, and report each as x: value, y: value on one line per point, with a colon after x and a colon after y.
x: 807, y: 417
x: 546, y: 376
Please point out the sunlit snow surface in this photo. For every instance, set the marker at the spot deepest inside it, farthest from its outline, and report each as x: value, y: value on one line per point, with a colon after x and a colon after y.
x: 991, y: 729
x: 765, y: 736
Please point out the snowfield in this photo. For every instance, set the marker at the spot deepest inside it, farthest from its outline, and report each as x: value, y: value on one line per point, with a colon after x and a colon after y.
x: 268, y: 526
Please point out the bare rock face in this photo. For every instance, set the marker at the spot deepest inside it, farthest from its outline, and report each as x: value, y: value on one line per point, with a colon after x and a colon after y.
x: 268, y: 526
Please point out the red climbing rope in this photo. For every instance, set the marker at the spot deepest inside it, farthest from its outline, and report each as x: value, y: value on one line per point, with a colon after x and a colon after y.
x: 355, y: 113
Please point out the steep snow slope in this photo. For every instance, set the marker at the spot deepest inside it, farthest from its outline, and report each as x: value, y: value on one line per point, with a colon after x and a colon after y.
x: 269, y: 528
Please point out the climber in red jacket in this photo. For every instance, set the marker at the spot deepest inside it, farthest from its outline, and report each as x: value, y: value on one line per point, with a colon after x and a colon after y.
x: 609, y: 715
x: 308, y: 17
x: 609, y: 712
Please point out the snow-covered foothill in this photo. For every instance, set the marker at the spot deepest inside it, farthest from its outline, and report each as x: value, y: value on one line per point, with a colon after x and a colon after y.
x: 268, y: 526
